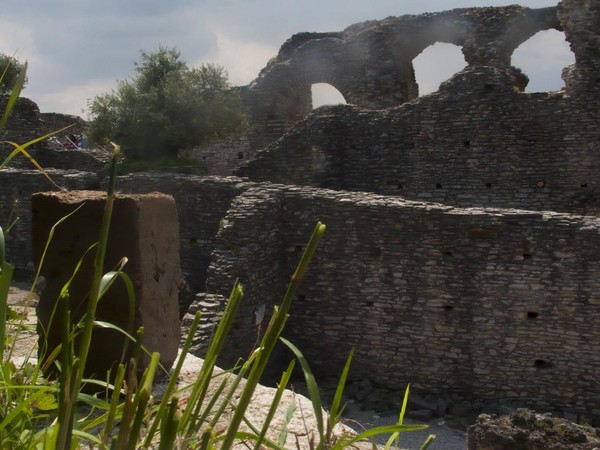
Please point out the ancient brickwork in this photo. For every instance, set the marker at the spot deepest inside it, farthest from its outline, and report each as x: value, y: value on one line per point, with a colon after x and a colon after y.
x: 494, y: 304
x: 479, y: 140
x: 461, y: 251
x: 56, y: 121
x: 201, y: 204
x: 17, y: 186
x: 221, y: 157
x: 23, y: 124
x: 476, y: 142
x: 370, y: 63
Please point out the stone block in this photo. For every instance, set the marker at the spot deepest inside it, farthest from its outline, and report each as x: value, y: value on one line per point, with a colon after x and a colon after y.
x: 144, y: 229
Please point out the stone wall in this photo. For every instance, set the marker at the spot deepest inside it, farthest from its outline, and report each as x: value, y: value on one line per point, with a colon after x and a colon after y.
x: 23, y: 124
x: 56, y: 121
x: 201, y: 204
x: 491, y: 304
x: 476, y: 142
x: 222, y: 157
x: 17, y: 186
x: 429, y: 282
x: 371, y: 63
x: 479, y: 140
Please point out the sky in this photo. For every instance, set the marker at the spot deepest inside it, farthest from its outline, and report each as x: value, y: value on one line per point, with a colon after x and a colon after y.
x: 78, y: 49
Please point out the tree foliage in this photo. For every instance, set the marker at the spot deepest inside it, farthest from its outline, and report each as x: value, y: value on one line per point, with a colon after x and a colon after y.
x: 10, y: 67
x: 166, y: 107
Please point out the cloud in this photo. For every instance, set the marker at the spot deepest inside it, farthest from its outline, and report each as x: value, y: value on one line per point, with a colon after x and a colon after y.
x: 325, y: 94
x: 542, y: 58
x: 242, y: 59
x: 20, y: 40
x: 436, y: 64
x: 73, y: 45
x: 73, y: 99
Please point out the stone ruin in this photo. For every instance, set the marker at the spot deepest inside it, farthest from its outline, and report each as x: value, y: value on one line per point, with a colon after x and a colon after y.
x: 146, y: 230
x: 461, y: 253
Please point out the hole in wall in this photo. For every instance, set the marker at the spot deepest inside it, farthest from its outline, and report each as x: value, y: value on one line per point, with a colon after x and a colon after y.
x: 584, y: 185
x: 301, y: 297
x: 399, y: 186
x: 542, y: 364
x: 436, y: 64
x: 447, y: 253
x: 375, y: 252
x: 488, y: 185
x: 527, y: 256
x: 326, y: 94
x: 467, y: 143
x: 438, y: 185
x: 532, y: 315
x: 298, y: 248
x: 193, y: 241
x: 448, y: 307
x: 370, y: 304
x: 542, y: 58
x: 240, y: 155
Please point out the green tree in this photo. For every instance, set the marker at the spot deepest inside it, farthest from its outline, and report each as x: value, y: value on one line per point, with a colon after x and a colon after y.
x: 166, y: 107
x: 11, y: 68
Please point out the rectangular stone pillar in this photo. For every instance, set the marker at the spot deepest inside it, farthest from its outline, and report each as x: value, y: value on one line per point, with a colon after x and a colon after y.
x: 144, y: 229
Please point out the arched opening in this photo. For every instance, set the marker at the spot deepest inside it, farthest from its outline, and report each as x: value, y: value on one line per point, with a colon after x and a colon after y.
x: 326, y: 94
x: 436, y: 64
x: 542, y: 58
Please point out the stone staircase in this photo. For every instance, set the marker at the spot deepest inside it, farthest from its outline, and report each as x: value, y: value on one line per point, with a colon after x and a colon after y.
x: 210, y: 305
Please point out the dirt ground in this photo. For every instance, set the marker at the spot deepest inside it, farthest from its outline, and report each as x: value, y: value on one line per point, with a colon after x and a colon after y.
x: 22, y: 331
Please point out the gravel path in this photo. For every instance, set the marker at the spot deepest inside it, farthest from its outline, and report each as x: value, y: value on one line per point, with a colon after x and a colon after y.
x: 446, y: 438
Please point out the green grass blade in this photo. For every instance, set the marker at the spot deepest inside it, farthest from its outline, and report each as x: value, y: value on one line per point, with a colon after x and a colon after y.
x: 289, y: 413
x: 6, y: 272
x: 2, y: 247
x: 20, y: 148
x: 395, y: 438
x: 271, y: 336
x: 285, y: 378
x: 313, y: 388
x: 105, y: 283
x: 335, y: 412
x: 114, y: 404
x: 173, y: 380
x: 427, y: 442
x: 199, y: 419
x: 266, y: 443
x: 215, y: 347
x: 387, y: 429
x: 142, y: 399
x: 169, y: 426
x: 14, y: 95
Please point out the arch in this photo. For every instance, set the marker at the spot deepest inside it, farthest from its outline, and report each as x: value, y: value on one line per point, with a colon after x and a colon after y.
x: 326, y: 94
x: 436, y: 64
x: 542, y: 58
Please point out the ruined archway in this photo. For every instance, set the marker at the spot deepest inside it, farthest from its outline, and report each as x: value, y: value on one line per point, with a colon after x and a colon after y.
x: 436, y: 64
x: 542, y: 58
x: 326, y: 94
